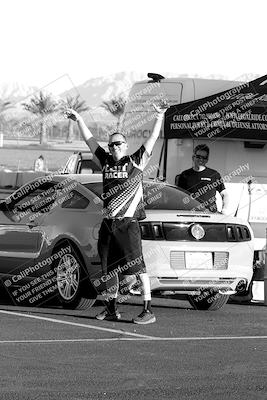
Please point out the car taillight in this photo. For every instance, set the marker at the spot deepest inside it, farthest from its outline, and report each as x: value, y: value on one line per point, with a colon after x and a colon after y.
x: 176, y: 231
x: 230, y: 233
x: 157, y: 231
x: 151, y: 230
x: 237, y: 233
x: 246, y: 233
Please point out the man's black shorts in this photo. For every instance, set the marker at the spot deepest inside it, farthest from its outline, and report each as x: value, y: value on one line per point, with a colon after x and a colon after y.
x: 120, y: 246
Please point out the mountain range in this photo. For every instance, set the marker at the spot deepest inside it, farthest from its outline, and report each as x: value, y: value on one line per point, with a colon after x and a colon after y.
x: 94, y: 91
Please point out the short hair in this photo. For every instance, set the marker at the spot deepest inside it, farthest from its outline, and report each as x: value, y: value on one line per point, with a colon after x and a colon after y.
x: 202, y: 147
x: 118, y: 133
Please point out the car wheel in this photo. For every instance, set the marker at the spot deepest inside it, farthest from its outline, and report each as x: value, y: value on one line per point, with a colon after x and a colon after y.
x: 74, y: 289
x: 208, y: 299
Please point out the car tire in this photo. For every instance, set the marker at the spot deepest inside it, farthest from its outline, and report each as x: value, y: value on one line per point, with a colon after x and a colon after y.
x: 208, y: 300
x: 74, y: 289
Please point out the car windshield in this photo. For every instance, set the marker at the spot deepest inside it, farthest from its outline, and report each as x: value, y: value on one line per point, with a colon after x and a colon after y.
x: 159, y: 196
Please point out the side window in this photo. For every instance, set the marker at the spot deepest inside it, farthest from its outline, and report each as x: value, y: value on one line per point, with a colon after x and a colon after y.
x: 70, y: 166
x: 75, y: 200
x: 88, y: 167
x: 32, y: 200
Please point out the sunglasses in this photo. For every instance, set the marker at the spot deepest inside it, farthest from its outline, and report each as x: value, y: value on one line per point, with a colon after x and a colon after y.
x: 200, y: 157
x: 111, y: 145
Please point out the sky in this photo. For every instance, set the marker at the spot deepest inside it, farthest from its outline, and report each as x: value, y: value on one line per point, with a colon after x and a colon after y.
x: 71, y: 41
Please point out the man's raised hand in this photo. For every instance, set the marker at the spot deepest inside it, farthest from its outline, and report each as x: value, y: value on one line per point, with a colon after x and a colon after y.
x: 72, y: 114
x: 161, y: 107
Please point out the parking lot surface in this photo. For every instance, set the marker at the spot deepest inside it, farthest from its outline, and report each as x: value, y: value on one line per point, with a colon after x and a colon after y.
x: 52, y: 353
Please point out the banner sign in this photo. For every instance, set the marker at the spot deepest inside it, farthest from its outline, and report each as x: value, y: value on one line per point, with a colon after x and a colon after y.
x: 237, y: 113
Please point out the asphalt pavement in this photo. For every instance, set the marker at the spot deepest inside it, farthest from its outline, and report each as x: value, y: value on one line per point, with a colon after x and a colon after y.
x: 52, y: 353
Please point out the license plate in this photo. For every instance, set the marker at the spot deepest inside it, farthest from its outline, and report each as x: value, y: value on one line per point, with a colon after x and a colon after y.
x: 198, y: 260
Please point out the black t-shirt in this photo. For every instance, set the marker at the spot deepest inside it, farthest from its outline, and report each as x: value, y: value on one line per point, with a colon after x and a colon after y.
x: 203, y: 185
x: 123, y: 183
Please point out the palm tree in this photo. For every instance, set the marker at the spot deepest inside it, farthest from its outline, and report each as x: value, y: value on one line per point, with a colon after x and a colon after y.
x: 41, y: 105
x: 116, y: 107
x: 77, y: 104
x: 4, y: 106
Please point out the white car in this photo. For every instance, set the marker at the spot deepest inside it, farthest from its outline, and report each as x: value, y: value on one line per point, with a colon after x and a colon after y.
x: 206, y: 256
x: 48, y: 244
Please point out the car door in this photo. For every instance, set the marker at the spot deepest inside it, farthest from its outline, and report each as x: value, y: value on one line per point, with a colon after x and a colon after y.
x: 21, y: 233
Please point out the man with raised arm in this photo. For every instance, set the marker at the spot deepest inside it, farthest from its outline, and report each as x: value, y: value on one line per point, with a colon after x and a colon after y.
x: 119, y: 241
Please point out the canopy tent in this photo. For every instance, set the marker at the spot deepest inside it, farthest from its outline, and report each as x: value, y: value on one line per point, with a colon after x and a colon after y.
x: 237, y: 113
